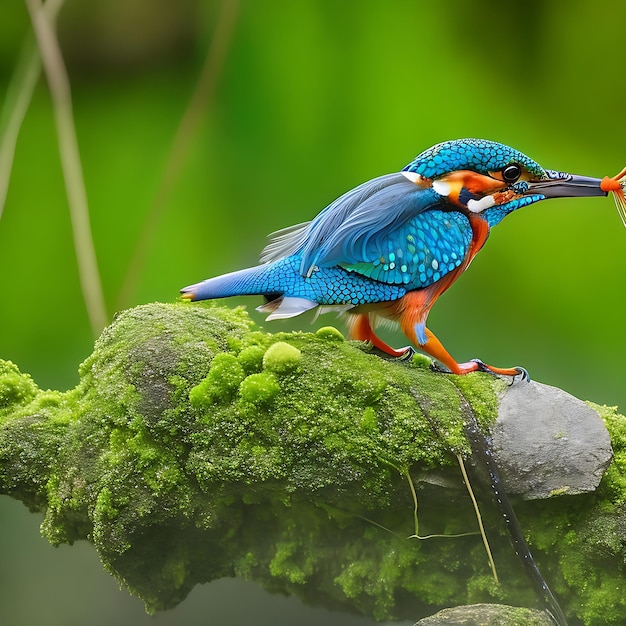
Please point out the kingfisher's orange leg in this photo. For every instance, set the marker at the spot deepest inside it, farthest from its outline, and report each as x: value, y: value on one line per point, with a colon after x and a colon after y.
x: 361, y: 330
x: 434, y: 348
x: 412, y: 311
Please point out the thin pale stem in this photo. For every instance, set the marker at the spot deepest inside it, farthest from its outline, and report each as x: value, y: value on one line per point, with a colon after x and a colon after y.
x: 478, y: 517
x: 17, y: 101
x: 59, y: 85
x: 415, y: 504
x: 416, y: 520
x: 197, y: 108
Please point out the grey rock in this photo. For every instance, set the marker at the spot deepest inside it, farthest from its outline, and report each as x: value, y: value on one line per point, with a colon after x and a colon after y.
x: 547, y: 442
x: 486, y: 615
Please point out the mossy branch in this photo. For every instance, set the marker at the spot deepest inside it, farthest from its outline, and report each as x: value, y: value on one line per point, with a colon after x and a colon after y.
x: 196, y: 447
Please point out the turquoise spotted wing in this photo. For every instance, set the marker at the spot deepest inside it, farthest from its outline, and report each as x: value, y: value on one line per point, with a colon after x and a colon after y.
x: 419, y: 252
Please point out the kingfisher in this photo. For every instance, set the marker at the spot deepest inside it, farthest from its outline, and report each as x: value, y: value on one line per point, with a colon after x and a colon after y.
x: 387, y: 249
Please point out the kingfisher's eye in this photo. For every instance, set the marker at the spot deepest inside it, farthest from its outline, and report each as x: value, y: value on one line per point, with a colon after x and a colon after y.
x: 511, y: 173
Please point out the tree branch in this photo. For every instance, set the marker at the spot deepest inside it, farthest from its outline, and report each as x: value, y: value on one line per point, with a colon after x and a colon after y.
x: 196, y: 447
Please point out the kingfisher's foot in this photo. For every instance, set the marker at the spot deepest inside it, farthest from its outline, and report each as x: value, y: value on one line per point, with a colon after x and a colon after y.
x: 407, y: 353
x: 401, y: 354
x: 440, y: 368
x: 476, y: 365
x: 523, y: 374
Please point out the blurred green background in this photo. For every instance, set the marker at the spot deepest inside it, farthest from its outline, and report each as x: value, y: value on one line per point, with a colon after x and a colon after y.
x: 312, y: 97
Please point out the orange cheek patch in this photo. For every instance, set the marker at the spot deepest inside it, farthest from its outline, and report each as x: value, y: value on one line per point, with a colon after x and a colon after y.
x: 457, y: 185
x: 482, y: 185
x: 501, y: 197
x: 477, y: 184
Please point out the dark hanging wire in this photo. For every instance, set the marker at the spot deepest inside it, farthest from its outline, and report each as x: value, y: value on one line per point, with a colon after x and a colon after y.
x: 487, y: 471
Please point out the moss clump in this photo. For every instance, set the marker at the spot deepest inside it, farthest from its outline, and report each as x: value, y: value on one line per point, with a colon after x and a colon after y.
x: 330, y: 333
x: 421, y: 360
x: 197, y: 447
x: 221, y: 383
x: 15, y: 388
x: 259, y: 389
x: 282, y: 358
x: 251, y: 359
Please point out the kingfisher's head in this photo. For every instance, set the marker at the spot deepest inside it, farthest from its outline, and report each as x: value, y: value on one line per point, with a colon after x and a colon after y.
x: 491, y: 179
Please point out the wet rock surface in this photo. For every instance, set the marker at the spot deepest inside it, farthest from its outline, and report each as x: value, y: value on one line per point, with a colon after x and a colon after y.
x: 547, y: 442
x: 486, y: 615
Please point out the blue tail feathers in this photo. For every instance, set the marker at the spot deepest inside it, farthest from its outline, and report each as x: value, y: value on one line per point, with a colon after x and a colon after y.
x: 282, y: 279
x: 245, y: 282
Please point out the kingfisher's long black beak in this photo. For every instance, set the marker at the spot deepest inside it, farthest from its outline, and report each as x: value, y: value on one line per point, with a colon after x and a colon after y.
x: 563, y: 185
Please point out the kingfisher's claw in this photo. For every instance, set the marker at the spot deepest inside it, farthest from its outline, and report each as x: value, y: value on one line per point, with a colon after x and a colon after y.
x: 482, y: 367
x: 409, y: 351
x: 513, y: 372
x: 435, y: 366
x: 401, y: 354
x: 522, y: 372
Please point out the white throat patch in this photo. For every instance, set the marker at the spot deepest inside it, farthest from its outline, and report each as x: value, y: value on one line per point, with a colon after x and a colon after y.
x: 477, y: 206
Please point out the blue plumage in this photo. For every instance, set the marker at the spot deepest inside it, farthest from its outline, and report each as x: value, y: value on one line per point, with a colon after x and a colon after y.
x: 392, y: 245
x: 417, y: 253
x: 477, y: 155
x: 325, y: 286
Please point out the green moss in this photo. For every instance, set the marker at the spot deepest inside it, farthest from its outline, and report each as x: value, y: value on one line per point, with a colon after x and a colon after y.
x: 15, y: 388
x: 288, y: 564
x: 259, y: 389
x: 481, y: 392
x: 197, y: 447
x: 282, y: 358
x: 330, y: 333
x: 583, y: 538
x: 251, y: 359
x: 421, y: 360
x: 489, y: 615
x: 615, y: 477
x: 221, y: 383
